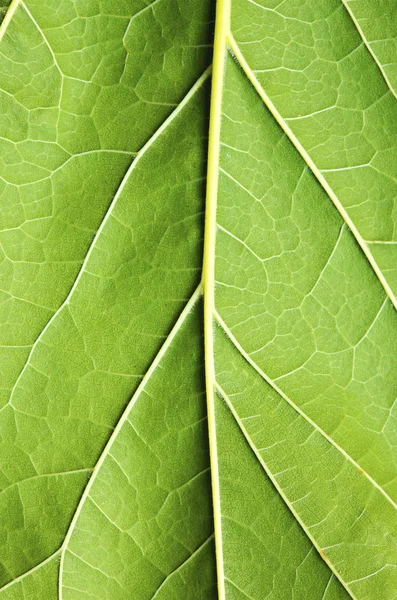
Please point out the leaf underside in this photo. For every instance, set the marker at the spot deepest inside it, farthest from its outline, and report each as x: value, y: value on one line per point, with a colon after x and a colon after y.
x: 110, y: 482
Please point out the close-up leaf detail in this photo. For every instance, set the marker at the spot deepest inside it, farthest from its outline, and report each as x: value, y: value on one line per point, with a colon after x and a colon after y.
x: 198, y: 332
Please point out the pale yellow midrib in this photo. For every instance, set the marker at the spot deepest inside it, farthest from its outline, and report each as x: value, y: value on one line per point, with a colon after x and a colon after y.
x: 222, y: 27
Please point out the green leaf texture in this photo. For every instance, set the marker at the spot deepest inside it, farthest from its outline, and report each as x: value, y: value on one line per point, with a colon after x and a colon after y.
x: 174, y: 427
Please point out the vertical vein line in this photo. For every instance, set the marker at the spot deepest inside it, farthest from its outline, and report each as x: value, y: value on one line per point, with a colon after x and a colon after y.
x: 222, y: 24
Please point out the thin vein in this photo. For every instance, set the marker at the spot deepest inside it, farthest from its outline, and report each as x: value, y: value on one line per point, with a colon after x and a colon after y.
x: 41, y: 475
x: 8, y: 17
x: 51, y: 51
x: 240, y: 590
x: 140, y: 12
x: 372, y: 574
x: 100, y: 509
x: 329, y: 259
x: 184, y: 563
x: 279, y: 489
x: 123, y: 419
x: 235, y: 50
x: 32, y: 570
x: 105, y: 219
x: 240, y: 185
x: 386, y: 242
x: 368, y: 46
x: 81, y: 559
x: 373, y: 323
x: 268, y: 380
x: 240, y: 241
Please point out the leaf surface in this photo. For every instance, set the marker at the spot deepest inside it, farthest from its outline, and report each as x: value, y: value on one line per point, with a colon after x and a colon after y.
x: 174, y: 427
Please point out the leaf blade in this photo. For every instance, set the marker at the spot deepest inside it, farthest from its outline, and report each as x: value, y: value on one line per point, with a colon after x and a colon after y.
x: 268, y: 251
x: 57, y: 366
x: 300, y: 378
x: 157, y: 530
x: 345, y: 108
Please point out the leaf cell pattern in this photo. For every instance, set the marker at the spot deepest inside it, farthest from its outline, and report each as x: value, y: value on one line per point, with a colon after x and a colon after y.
x: 174, y: 427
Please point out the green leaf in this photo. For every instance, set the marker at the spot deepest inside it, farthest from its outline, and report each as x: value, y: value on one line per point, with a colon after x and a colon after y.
x: 180, y: 428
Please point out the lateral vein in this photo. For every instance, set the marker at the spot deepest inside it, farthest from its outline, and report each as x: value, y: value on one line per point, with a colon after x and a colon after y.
x: 32, y: 570
x: 268, y: 380
x: 185, y: 562
x: 181, y: 319
x: 279, y: 489
x: 109, y: 211
x: 237, y: 53
x: 8, y: 17
x: 42, y: 475
x: 368, y: 46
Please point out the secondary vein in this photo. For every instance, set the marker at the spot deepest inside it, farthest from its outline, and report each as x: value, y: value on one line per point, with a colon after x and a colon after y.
x: 180, y: 567
x: 368, y: 46
x: 8, y: 17
x: 120, y: 189
x: 279, y: 489
x: 181, y: 319
x: 238, y: 55
x: 32, y: 570
x: 247, y: 357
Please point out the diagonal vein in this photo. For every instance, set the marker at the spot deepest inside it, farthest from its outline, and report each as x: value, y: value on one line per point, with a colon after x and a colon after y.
x: 347, y: 456
x: 123, y: 419
x: 32, y: 570
x: 45, y: 40
x: 8, y: 17
x: 280, y: 491
x: 43, y: 475
x: 105, y: 219
x: 238, y: 55
x: 180, y: 567
x: 140, y: 12
x: 368, y: 46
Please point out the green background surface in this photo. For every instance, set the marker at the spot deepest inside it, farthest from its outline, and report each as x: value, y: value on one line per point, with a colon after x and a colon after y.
x: 105, y: 476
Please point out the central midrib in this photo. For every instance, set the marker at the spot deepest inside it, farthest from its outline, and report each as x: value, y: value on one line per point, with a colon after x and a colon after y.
x: 222, y: 27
